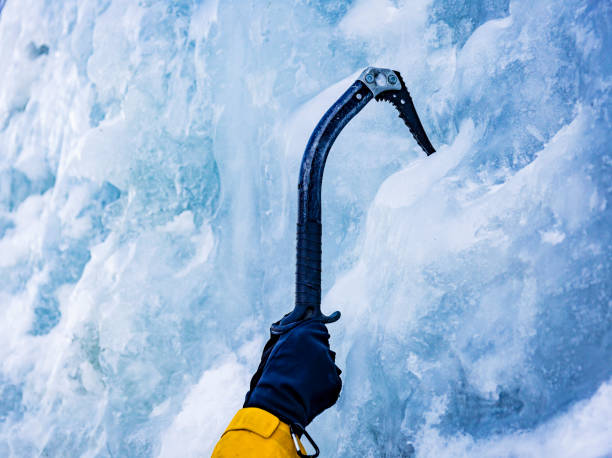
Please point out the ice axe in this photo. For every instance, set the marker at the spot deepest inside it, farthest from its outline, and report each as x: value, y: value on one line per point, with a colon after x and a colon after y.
x: 381, y: 84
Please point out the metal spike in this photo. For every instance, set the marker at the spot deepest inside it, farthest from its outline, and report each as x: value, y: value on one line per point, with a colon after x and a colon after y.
x: 403, y: 103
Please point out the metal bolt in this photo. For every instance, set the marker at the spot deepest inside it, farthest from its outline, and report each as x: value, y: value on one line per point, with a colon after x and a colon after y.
x: 369, y: 78
x: 392, y: 79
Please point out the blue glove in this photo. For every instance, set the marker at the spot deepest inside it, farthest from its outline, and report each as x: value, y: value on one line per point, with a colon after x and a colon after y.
x: 297, y: 378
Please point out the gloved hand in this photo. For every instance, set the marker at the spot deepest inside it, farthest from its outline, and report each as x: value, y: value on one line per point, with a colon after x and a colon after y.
x: 297, y: 377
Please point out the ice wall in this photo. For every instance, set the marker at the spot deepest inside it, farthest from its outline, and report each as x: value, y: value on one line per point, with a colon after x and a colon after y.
x: 148, y: 165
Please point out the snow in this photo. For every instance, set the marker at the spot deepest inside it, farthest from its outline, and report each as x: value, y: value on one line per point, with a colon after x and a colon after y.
x: 149, y: 155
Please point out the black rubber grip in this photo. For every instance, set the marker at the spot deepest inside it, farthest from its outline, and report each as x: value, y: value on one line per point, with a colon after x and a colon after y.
x: 308, y: 268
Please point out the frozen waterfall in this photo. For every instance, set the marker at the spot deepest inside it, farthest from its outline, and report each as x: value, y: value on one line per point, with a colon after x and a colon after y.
x: 149, y: 154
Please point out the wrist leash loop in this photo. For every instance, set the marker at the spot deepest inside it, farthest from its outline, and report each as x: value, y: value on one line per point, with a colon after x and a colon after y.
x: 296, y: 431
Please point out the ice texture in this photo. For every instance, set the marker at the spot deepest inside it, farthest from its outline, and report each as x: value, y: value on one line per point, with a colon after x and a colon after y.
x: 149, y: 154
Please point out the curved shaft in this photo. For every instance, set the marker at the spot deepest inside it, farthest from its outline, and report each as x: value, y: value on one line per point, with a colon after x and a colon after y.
x: 308, y: 273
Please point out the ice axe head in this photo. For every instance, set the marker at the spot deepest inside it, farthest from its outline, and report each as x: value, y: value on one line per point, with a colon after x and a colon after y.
x: 388, y: 85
